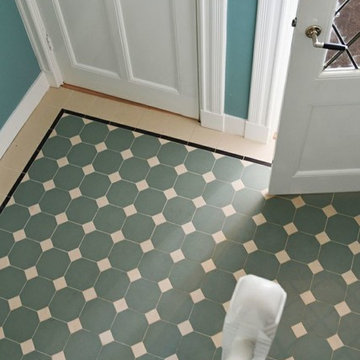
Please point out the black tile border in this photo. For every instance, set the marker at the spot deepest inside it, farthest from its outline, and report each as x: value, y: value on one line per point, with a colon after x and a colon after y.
x: 108, y: 122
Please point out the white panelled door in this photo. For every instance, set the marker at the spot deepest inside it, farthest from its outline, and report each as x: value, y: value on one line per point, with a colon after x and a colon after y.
x: 318, y: 146
x: 140, y: 50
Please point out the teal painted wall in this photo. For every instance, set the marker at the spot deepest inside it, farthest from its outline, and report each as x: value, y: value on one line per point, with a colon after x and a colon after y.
x: 241, y: 23
x: 18, y: 65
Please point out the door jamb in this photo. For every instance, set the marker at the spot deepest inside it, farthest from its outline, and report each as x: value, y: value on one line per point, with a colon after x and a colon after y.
x: 40, y: 41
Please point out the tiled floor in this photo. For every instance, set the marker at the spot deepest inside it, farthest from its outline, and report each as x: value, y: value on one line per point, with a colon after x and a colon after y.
x: 150, y: 119
x: 120, y: 245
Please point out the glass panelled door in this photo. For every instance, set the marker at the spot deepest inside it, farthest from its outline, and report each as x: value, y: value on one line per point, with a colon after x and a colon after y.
x: 345, y: 30
x: 318, y: 143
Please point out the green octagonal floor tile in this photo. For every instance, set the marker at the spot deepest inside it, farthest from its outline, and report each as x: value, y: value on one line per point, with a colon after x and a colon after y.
x: 143, y: 295
x: 109, y: 219
x: 342, y: 229
x: 218, y: 354
x: 239, y: 227
x: 186, y: 275
x: 293, y: 310
x: 81, y: 154
x: 336, y: 257
x: 69, y: 126
x: 262, y: 264
x: 195, y: 346
x: 278, y: 211
x: 82, y: 345
x: 125, y: 255
x: 282, y: 347
x: 122, y: 193
x: 129, y: 327
x: 37, y: 293
x: 207, y: 317
x: 40, y: 226
x: 310, y: 220
x: 270, y: 237
x: 162, y: 339
x: 68, y: 177
x: 145, y: 146
x: 21, y: 324
x: 67, y: 304
x: 318, y: 200
x: 43, y: 169
x: 95, y: 185
x: 155, y: 265
x: 172, y: 153
x: 328, y: 287
x: 346, y: 353
x: 302, y: 247
x: 321, y: 319
x: 55, y: 201
x: 218, y: 193
x: 119, y: 139
x: 353, y: 297
x: 10, y: 350
x: 6, y: 243
x: 13, y: 218
x: 356, y: 266
x: 228, y: 169
x: 150, y: 202
x: 134, y: 169
x: 198, y: 246
x: 199, y: 161
x: 81, y: 210
x: 256, y: 176
x: 349, y: 330
x: 28, y: 193
x: 138, y: 227
x: 25, y: 254
x: 4, y: 310
x: 11, y: 282
x: 175, y: 306
x: 161, y: 177
x: 167, y: 237
x: 94, y: 132
x: 114, y: 351
x: 347, y: 203
x: 208, y: 219
x: 229, y: 256
x: 75, y: 274
x: 112, y: 284
x: 311, y: 346
x: 36, y: 356
x: 96, y: 245
x: 218, y: 286
x: 53, y: 264
x: 107, y: 162
x: 67, y: 236
x: 97, y: 315
x: 189, y: 185
x: 179, y: 210
x: 56, y: 147
x: 248, y: 201
x: 294, y: 277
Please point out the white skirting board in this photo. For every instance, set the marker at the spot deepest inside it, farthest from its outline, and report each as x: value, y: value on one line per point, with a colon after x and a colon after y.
x: 235, y: 125
x: 22, y: 112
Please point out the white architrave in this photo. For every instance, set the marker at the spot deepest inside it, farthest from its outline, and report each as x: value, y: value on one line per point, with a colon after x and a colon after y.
x: 40, y: 40
x: 271, y: 56
x: 212, y: 15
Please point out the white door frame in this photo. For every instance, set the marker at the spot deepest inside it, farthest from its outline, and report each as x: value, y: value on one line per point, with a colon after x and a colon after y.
x: 268, y: 75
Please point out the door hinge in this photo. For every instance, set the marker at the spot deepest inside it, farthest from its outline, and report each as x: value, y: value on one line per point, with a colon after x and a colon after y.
x: 49, y: 43
x: 294, y: 22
